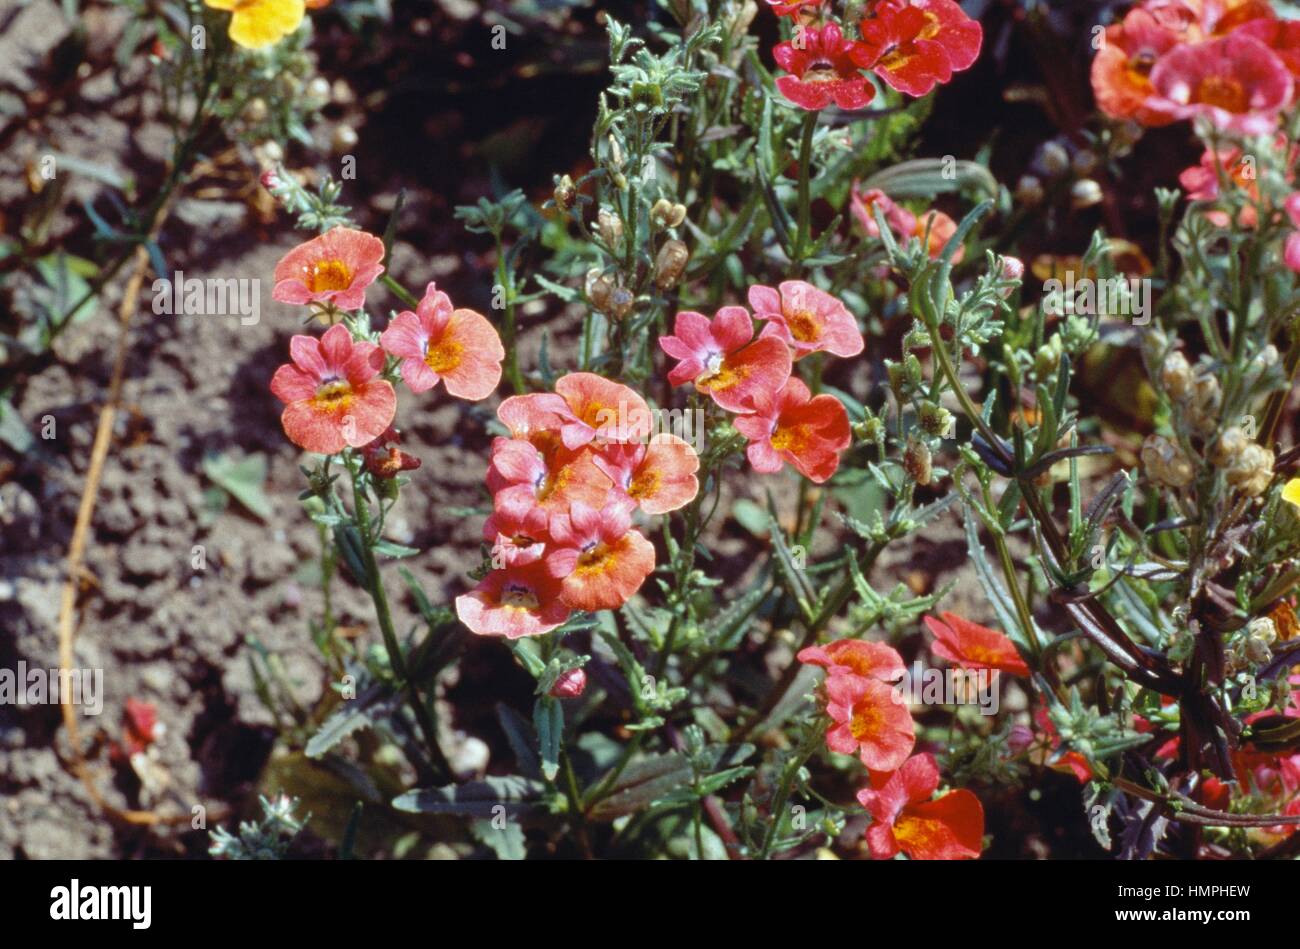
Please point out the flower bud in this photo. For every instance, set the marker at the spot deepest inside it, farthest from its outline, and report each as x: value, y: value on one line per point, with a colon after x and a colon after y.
x: 1260, y: 636
x: 670, y: 263
x: 1013, y: 268
x: 569, y: 685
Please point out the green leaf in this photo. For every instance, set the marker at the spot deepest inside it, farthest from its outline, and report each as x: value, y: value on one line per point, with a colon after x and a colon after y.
x: 390, y: 549
x: 517, y: 795
x: 643, y: 782
x: 548, y: 719
x: 242, y: 480
x: 12, y: 430
x: 506, y: 839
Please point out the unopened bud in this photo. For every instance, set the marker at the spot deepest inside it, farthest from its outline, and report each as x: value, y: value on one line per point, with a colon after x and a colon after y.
x: 565, y: 193
x: 569, y: 685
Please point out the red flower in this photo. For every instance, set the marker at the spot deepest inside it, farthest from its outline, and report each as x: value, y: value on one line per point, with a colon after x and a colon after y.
x: 518, y: 600
x: 440, y: 343
x: 333, y: 268
x: 794, y: 8
x: 384, y: 459
x: 139, y: 729
x: 1281, y: 36
x: 1201, y: 182
x: 794, y: 427
x: 973, y: 646
x: 870, y: 719
x: 822, y: 71
x: 915, y: 46
x: 598, y: 555
x: 903, y: 816
x: 856, y: 657
x: 659, y: 477
x: 808, y: 319
x: 1121, y: 70
x: 719, y: 358
x: 334, y: 399
x: 1235, y: 81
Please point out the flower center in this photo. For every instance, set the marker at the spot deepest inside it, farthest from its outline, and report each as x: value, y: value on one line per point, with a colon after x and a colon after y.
x: 720, y: 376
x: 821, y: 71
x: 804, y: 326
x: 326, y: 275
x: 868, y: 722
x: 1222, y: 92
x: 333, y: 395
x: 516, y: 596
x: 644, y: 484
x: 791, y: 438
x: 443, y: 356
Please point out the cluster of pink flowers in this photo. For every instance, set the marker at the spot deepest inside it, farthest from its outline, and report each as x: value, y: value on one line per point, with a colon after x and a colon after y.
x: 870, y: 719
x: 912, y: 45
x: 577, y: 466
x: 334, y: 389
x: 782, y: 420
x: 1231, y: 61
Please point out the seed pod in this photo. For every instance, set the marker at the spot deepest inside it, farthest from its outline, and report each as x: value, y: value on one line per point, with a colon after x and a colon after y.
x: 1252, y: 471
x: 598, y: 288
x: 611, y: 229
x: 660, y: 213
x: 1029, y: 191
x: 916, y: 462
x: 934, y: 419
x: 620, y: 302
x: 1085, y: 193
x: 1228, y: 447
x: 1176, y: 375
x: 1165, y: 463
x: 565, y: 193
x: 1053, y: 158
x: 670, y: 263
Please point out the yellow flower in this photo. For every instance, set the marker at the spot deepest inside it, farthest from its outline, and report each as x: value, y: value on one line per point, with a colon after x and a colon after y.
x: 256, y: 24
x: 1291, y: 491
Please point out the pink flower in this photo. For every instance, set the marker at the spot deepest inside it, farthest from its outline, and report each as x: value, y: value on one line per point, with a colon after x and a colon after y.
x: 823, y: 71
x: 808, y: 319
x: 719, y: 358
x: 597, y: 407
x: 600, y: 558
x: 916, y: 45
x: 333, y: 398
x: 333, y: 268
x: 794, y: 427
x: 518, y: 600
x: 518, y: 530
x: 659, y: 476
x: 869, y: 720
x: 439, y: 343
x: 1235, y: 81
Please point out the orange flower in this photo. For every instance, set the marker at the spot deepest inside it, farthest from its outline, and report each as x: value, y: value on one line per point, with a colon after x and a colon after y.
x: 333, y: 398
x: 659, y: 477
x: 518, y: 530
x: 808, y: 319
x: 333, y: 268
x: 856, y: 657
x: 905, y: 818
x: 719, y: 358
x: 972, y: 646
x: 551, y: 478
x: 600, y: 558
x: 869, y: 719
x: 438, y: 343
x: 518, y: 600
x: 795, y: 427
x: 600, y: 408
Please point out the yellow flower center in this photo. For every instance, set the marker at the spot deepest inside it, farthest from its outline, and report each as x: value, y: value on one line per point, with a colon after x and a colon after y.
x: 519, y: 597
x: 791, y: 438
x: 331, y: 274
x: 722, y: 377
x: 443, y: 356
x: 333, y: 395
x: 598, y: 560
x: 803, y: 325
x: 644, y: 484
x: 868, y: 721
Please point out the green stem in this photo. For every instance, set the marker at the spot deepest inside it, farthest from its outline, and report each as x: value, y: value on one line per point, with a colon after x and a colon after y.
x: 804, y: 236
x: 375, y: 584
